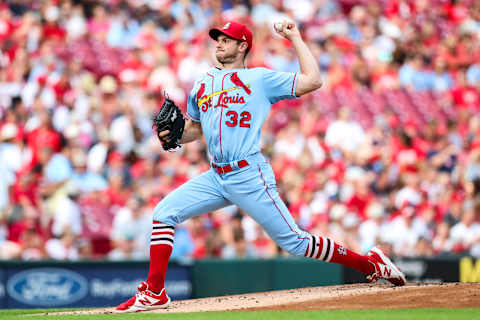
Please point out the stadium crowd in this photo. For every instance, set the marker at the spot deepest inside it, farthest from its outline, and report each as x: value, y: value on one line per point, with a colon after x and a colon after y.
x: 388, y: 151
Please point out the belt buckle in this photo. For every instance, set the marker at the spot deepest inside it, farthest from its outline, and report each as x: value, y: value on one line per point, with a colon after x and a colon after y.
x: 223, y: 170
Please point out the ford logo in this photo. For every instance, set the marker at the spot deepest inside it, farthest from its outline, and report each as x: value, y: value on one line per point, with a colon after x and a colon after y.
x: 47, y: 287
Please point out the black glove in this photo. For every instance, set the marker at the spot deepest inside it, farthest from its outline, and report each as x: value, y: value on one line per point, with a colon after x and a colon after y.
x: 169, y: 117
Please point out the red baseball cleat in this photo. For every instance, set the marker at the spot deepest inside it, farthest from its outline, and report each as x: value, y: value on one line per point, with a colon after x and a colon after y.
x: 145, y: 300
x: 384, y: 268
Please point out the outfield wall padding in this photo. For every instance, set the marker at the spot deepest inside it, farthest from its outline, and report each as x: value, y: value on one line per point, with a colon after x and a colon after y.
x: 213, y: 277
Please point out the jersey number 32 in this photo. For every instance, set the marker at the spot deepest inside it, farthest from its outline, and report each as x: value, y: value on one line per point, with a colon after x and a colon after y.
x: 245, y: 117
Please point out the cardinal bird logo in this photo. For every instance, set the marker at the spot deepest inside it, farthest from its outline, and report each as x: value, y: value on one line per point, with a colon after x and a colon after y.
x: 236, y: 80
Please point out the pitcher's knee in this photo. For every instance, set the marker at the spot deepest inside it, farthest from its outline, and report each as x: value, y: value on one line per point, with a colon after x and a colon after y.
x: 164, y: 214
x: 296, y: 245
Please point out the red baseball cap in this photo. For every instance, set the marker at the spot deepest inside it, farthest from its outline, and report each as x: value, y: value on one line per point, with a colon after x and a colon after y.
x: 235, y: 31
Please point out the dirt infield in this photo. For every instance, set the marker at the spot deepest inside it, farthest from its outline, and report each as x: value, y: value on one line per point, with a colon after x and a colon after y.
x: 458, y: 295
x: 357, y: 296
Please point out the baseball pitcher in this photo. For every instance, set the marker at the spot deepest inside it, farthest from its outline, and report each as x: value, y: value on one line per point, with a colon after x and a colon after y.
x: 228, y: 105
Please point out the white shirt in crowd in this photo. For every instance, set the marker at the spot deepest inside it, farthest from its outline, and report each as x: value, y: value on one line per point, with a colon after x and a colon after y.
x: 58, y: 251
x: 67, y: 217
x: 403, y: 236
x: 466, y: 235
x: 347, y: 135
x: 125, y: 226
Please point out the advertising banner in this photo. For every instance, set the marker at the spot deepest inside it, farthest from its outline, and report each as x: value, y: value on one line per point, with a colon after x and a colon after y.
x: 445, y: 269
x: 83, y: 285
x: 2, y: 290
x: 469, y: 269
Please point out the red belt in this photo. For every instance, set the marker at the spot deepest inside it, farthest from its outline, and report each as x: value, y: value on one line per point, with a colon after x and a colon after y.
x: 228, y: 168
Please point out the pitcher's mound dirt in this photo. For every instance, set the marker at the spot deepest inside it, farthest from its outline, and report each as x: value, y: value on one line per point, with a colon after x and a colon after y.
x: 356, y: 296
x: 457, y: 295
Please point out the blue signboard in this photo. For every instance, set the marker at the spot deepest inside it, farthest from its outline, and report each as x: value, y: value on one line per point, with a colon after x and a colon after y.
x: 46, y: 287
x: 3, y: 290
x: 83, y: 285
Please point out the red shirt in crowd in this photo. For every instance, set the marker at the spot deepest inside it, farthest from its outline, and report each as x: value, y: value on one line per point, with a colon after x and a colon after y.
x: 25, y: 190
x: 466, y: 97
x: 117, y: 197
x: 359, y: 202
x: 6, y: 28
x: 18, y: 228
x: 53, y: 31
x: 456, y: 13
x: 43, y: 137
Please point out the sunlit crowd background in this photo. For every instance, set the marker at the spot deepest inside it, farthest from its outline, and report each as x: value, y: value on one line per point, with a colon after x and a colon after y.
x: 387, y: 151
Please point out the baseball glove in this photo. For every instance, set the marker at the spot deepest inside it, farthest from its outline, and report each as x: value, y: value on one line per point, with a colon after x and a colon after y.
x: 169, y: 117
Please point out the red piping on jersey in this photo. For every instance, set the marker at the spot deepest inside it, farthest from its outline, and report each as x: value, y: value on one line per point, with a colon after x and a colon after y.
x: 213, y: 78
x: 221, y: 114
x: 191, y: 117
x: 275, y: 204
x: 293, y: 84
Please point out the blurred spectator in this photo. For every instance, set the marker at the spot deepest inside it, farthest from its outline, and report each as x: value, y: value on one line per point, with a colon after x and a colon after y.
x: 465, y: 235
x: 473, y: 169
x: 97, y: 221
x: 10, y: 150
x: 125, y: 250
x: 85, y: 180
x: 350, y: 225
x: 441, y: 243
x: 63, y: 248
x: 67, y: 217
x: 42, y: 135
x: 441, y: 81
x: 473, y: 75
x: 184, y: 246
x: 9, y: 154
x: 239, y: 248
x: 405, y: 231
x: 32, y: 245
x: 130, y: 226
x: 8, y: 249
x: 370, y: 230
x: 423, y: 248
x: 199, y: 235
x: 414, y: 76
x: 344, y: 133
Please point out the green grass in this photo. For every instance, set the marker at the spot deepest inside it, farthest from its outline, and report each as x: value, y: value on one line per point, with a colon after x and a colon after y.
x: 395, y: 314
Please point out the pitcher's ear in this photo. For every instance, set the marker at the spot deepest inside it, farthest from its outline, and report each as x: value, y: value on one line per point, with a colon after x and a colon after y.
x: 244, y: 45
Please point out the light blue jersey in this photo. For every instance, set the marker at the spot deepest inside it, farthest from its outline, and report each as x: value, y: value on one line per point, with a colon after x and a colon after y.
x: 232, y: 106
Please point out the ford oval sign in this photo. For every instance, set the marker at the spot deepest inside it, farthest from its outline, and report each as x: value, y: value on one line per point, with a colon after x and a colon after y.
x: 47, y: 287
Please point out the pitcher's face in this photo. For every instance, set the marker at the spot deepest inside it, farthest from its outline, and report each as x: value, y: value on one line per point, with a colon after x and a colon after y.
x: 227, y: 49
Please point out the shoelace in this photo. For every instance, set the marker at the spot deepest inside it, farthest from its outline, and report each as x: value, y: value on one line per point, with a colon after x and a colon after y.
x: 373, y: 277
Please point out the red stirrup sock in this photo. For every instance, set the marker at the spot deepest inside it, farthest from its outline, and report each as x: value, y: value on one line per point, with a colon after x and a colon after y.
x: 322, y: 248
x: 161, y: 246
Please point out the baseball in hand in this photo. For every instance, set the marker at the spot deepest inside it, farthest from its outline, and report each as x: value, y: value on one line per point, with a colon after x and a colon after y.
x: 278, y: 26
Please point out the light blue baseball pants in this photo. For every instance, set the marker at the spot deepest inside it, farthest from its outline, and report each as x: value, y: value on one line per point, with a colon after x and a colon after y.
x: 252, y: 188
